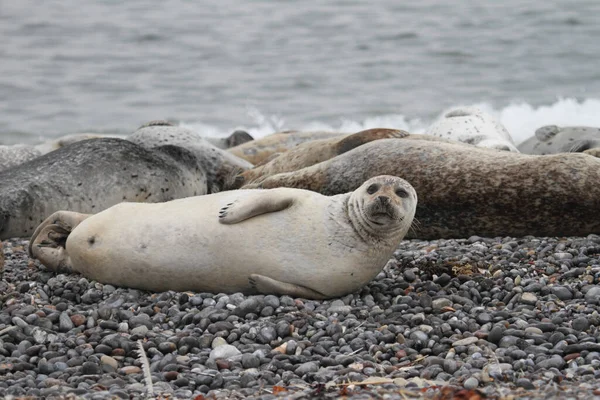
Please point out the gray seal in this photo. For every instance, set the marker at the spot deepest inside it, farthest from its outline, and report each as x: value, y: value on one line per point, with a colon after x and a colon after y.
x: 552, y: 139
x: 218, y: 165
x: 92, y: 175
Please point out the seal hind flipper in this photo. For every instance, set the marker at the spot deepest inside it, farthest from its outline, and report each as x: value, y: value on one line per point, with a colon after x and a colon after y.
x: 265, y: 285
x: 47, y: 243
x: 251, y: 206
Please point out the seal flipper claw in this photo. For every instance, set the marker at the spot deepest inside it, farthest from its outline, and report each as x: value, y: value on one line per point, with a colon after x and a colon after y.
x: 266, y: 285
x: 251, y: 206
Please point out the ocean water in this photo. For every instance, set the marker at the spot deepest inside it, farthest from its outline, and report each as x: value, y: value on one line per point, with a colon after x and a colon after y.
x: 108, y: 66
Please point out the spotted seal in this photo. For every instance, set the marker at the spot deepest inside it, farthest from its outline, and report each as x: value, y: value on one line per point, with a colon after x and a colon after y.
x: 287, y: 241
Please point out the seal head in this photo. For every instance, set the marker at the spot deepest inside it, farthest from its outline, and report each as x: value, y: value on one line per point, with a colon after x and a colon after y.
x: 382, y: 208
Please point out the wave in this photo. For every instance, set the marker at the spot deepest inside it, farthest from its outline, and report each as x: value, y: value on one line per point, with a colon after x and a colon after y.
x: 520, y: 119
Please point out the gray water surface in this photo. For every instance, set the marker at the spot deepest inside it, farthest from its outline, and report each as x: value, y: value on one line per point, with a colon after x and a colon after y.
x: 70, y: 66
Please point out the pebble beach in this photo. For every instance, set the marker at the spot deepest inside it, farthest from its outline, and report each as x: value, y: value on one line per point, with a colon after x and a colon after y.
x: 467, y: 318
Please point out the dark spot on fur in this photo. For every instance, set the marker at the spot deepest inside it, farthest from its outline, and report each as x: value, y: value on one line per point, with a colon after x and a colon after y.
x: 91, y: 240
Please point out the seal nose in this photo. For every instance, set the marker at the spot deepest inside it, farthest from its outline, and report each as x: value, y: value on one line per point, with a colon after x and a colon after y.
x: 383, y: 199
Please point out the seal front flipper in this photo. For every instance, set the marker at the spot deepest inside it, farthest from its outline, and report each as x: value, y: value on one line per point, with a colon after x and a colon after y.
x: 258, y: 203
x: 47, y: 243
x: 266, y: 285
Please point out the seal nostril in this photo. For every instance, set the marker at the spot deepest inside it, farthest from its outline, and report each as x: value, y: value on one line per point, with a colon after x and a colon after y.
x: 383, y: 199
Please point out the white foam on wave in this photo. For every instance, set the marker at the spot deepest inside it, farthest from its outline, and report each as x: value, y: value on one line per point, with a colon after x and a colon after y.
x: 520, y: 119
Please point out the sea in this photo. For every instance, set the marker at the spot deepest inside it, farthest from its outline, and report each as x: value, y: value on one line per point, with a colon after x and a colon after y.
x: 108, y: 66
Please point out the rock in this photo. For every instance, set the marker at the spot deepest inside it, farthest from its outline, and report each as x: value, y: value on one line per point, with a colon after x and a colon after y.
x: 580, y: 324
x: 306, y: 368
x: 465, y: 342
x: 108, y: 360
x: 438, y: 304
x: 525, y: 384
x: 226, y: 351
x: 64, y: 322
x: 471, y: 383
x: 529, y: 299
x: 593, y: 295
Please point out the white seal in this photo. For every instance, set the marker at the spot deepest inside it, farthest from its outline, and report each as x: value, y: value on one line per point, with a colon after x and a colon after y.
x: 280, y: 241
x: 473, y: 126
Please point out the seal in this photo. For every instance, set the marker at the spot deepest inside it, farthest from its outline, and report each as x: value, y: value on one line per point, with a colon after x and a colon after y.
x: 465, y: 190
x: 218, y: 165
x: 313, y: 152
x: 552, y: 139
x: 287, y: 241
x: 92, y: 175
x: 259, y: 150
x: 473, y: 126
x: 237, y: 138
x: 316, y: 151
x: 20, y: 153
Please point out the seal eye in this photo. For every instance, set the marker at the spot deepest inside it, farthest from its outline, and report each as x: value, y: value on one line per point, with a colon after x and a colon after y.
x: 373, y: 188
x: 402, y: 193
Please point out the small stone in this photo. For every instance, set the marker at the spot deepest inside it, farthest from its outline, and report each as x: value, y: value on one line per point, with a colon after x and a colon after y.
x: 64, y: 322
x: 593, y: 295
x: 438, y: 304
x: 108, y: 360
x: 218, y: 341
x: 580, y: 324
x: 90, y: 368
x: 561, y: 292
x: 251, y: 305
x: 534, y: 330
x: 250, y: 361
x: 496, y: 334
x: 130, y: 369
x: 525, y: 384
x: 141, y: 330
x: 224, y: 351
x: 78, y: 319
x: 529, y: 298
x: 471, y: 383
x: 465, y: 342
x: 306, y: 368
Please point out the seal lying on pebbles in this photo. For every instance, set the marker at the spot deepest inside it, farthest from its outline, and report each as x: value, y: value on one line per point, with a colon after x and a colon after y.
x: 257, y: 151
x: 552, y: 139
x: 467, y: 191
x: 284, y: 241
x: 20, y: 153
x: 218, y: 164
x: 92, y: 175
x: 313, y: 152
x: 473, y: 126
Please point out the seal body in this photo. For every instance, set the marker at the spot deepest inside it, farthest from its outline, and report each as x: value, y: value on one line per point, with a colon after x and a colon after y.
x: 473, y: 126
x: 282, y: 241
x: 313, y: 152
x: 258, y: 151
x: 465, y: 191
x: 11, y: 156
x: 218, y: 165
x: 552, y: 139
x: 235, y: 139
x: 92, y: 175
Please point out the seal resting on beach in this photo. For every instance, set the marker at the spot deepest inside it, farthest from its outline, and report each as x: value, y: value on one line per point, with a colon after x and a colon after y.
x: 313, y: 152
x: 465, y: 190
x: 92, y: 175
x: 259, y: 150
x: 552, y: 139
x: 473, y: 126
x: 12, y: 155
x: 218, y: 164
x: 281, y: 241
